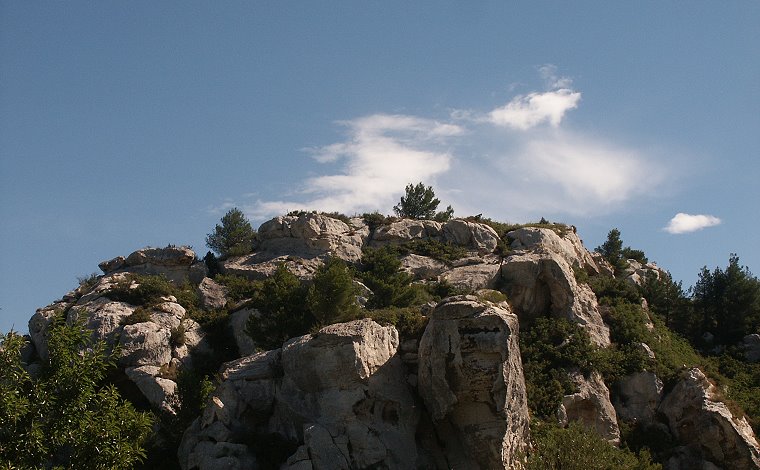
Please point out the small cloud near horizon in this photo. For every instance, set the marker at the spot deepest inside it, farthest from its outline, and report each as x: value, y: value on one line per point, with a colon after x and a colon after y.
x: 686, y: 223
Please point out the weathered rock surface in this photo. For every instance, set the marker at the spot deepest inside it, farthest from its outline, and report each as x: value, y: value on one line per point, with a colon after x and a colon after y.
x: 337, y: 397
x: 176, y: 263
x: 473, y: 273
x: 636, y: 273
x: 406, y: 230
x: 569, y: 246
x: 470, y: 377
x: 243, y: 341
x: 706, y: 427
x: 262, y: 265
x: 543, y: 284
x: 310, y: 235
x: 212, y: 294
x: 480, y: 237
x: 422, y: 267
x: 591, y: 406
x: 637, y: 397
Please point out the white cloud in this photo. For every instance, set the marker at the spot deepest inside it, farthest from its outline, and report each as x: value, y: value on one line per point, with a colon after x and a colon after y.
x: 685, y: 223
x: 525, y: 112
x: 478, y: 165
x: 382, y: 154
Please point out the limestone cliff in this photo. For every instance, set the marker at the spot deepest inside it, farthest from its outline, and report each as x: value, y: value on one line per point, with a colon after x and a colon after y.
x: 359, y: 394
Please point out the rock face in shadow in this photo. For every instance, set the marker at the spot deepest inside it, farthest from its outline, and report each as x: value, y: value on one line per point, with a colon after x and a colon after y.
x: 335, y: 399
x: 637, y: 397
x: 471, y: 380
x: 706, y: 428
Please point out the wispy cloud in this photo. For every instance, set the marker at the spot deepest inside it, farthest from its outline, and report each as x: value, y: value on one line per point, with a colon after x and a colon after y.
x: 502, y: 162
x: 685, y: 223
x: 381, y: 155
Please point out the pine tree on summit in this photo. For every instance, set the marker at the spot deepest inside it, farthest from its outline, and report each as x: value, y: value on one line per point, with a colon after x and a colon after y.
x: 420, y: 202
x: 234, y: 237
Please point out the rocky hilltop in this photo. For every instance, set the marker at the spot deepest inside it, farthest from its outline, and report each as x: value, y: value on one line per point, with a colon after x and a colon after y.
x: 454, y: 391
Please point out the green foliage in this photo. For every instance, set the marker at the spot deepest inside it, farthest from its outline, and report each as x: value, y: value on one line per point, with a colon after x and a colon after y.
x: 419, y: 202
x: 381, y: 272
x: 581, y: 275
x: 281, y: 300
x: 550, y: 347
x: 610, y: 290
x: 140, y: 315
x: 743, y: 386
x: 638, y: 255
x: 492, y: 296
x: 139, y: 289
x: 667, y: 299
x: 66, y: 417
x: 444, y: 216
x: 89, y: 281
x: 238, y: 287
x: 612, y: 251
x: 212, y: 264
x: 446, y: 252
x: 376, y: 219
x: 177, y: 336
x: 408, y: 321
x: 727, y: 302
x: 332, y: 294
x: 618, y: 360
x: 234, y: 237
x: 577, y: 448
x: 501, y: 228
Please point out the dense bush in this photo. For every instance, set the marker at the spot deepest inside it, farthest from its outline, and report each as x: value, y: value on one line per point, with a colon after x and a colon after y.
x: 446, y: 252
x: 281, y: 301
x: 332, y: 294
x: 140, y: 289
x: 551, y: 347
x: 234, y: 237
x: 381, y: 272
x: 66, y: 417
x: 408, y: 321
x: 577, y: 448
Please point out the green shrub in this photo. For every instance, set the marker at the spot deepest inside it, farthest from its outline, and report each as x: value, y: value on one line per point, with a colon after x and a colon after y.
x: 577, y: 448
x: 408, y: 321
x: 419, y: 202
x: 177, y: 336
x: 439, y: 290
x: 148, y: 291
x: 89, y: 281
x: 234, y: 237
x: 492, y: 296
x: 446, y: 252
x: 332, y: 294
x: 581, y: 275
x: 140, y: 315
x: 551, y: 347
x: 281, y: 300
x: 66, y: 417
x: 376, y: 219
x: 238, y: 287
x: 610, y: 290
x: 381, y: 272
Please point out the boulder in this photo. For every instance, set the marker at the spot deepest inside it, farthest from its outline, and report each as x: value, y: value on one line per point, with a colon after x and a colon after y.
x: 637, y: 396
x: 591, y: 406
x: 338, y: 395
x: 262, y: 265
x: 406, y: 230
x: 705, y: 426
x: 212, y: 294
x: 422, y: 267
x: 568, y: 246
x: 636, y: 273
x: 158, y: 390
x: 477, y: 236
x: 543, y: 284
x: 311, y: 235
x: 471, y: 380
x: 238, y: 321
x: 177, y: 263
x: 483, y: 273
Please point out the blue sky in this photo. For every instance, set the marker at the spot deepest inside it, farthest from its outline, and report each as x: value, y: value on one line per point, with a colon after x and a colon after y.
x: 126, y: 124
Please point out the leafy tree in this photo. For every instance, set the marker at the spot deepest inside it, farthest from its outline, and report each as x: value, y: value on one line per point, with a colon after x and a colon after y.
x: 420, y: 202
x: 234, y: 237
x: 281, y: 301
x: 381, y: 272
x: 727, y: 302
x: 65, y: 417
x: 332, y: 295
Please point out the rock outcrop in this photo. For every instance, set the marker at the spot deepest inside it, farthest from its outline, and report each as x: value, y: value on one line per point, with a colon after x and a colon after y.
x: 335, y: 399
x: 637, y: 397
x: 176, y: 263
x: 706, y: 427
x: 470, y: 377
x: 591, y: 406
x: 541, y: 282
